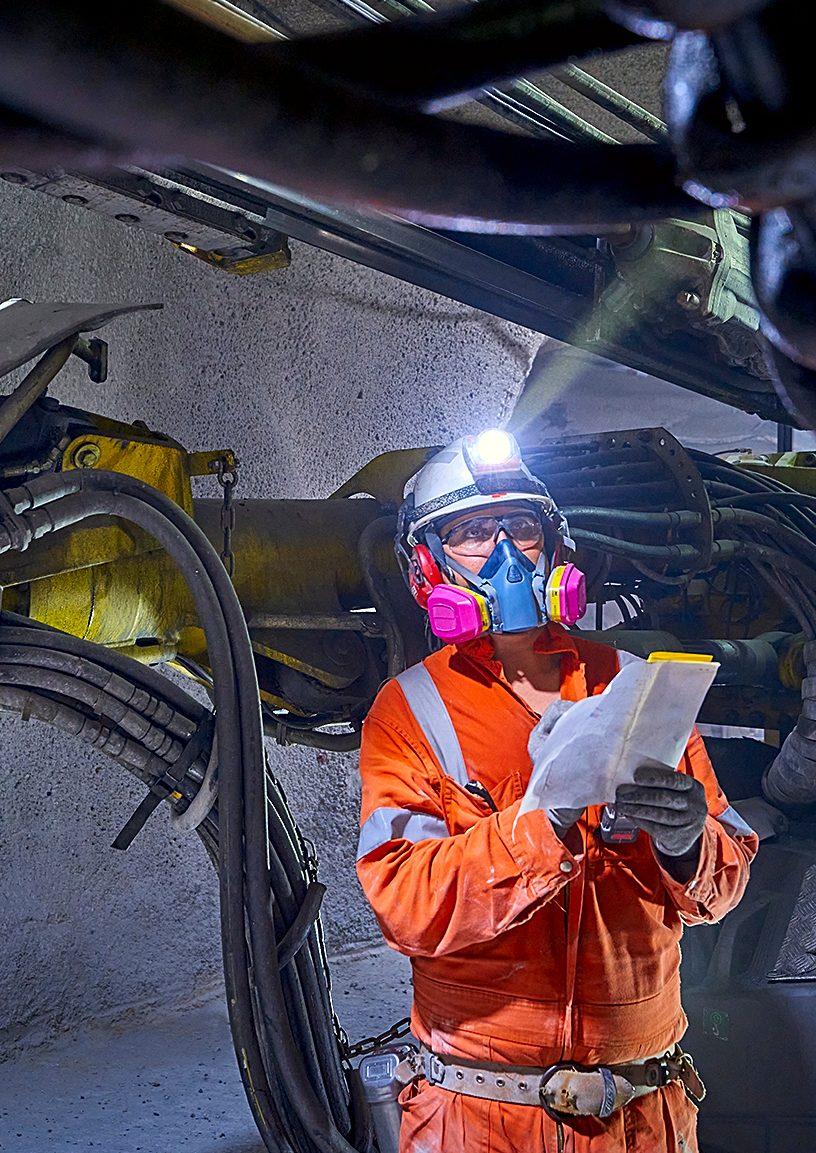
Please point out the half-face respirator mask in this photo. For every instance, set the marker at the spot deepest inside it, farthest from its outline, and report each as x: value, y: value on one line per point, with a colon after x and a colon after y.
x: 509, y: 593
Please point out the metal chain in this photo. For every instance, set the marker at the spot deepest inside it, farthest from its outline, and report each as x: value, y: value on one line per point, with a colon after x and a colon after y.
x: 228, y: 479
x: 369, y: 1044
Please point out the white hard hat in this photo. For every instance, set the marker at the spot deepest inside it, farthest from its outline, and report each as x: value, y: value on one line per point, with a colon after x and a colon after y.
x: 472, y: 472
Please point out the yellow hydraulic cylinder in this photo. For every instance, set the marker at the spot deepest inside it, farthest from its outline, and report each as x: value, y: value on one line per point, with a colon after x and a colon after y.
x: 294, y: 561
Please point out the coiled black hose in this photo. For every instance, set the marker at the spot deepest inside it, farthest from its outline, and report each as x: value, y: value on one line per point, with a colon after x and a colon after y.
x: 279, y: 1060
x: 61, y: 698
x: 24, y: 642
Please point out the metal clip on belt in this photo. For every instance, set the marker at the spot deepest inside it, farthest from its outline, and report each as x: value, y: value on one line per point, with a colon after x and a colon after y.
x: 563, y: 1089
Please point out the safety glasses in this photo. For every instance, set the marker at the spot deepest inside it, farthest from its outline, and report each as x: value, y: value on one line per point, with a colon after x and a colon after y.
x: 477, y: 535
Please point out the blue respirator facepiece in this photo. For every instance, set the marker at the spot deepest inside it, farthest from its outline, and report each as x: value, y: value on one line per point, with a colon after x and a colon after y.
x: 512, y: 586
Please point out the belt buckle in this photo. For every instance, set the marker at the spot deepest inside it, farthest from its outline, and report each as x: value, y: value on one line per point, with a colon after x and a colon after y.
x: 554, y: 1114
x: 607, y: 1105
x: 690, y: 1078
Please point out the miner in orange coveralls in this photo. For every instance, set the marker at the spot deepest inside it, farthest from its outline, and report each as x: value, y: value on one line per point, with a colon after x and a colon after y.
x: 545, y: 957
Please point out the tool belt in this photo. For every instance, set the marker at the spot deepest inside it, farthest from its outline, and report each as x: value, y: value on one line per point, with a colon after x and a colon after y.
x: 563, y: 1090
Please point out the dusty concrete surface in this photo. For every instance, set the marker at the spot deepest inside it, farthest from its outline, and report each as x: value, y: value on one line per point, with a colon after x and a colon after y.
x: 172, y: 1082
x: 307, y: 373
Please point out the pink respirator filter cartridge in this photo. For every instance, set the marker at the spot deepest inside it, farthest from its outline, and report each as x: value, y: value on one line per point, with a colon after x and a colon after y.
x: 566, y: 594
x: 457, y: 614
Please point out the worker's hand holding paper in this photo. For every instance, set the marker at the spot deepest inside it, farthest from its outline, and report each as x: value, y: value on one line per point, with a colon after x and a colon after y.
x: 644, y: 716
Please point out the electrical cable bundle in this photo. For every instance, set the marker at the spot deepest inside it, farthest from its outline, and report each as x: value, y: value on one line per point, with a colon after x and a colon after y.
x: 771, y: 525
x: 274, y: 959
x: 754, y: 518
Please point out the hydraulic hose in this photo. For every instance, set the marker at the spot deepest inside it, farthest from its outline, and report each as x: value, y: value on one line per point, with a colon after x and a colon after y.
x: 738, y: 493
x: 288, y: 1054
x: 272, y: 1003
x: 749, y: 500
x: 663, y: 520
x: 746, y: 489
x: 143, y: 688
x: 660, y: 578
x: 760, y: 520
x: 231, y: 726
x: 795, y: 541
x: 243, y: 800
x: 67, y: 710
x: 18, y: 630
x: 65, y: 674
x: 731, y: 549
x: 112, y: 711
x: 203, y: 802
x: 677, y: 553
x: 105, y: 496
x: 90, y: 730
x: 792, y: 593
x: 102, y: 683
x: 742, y: 483
x: 285, y: 734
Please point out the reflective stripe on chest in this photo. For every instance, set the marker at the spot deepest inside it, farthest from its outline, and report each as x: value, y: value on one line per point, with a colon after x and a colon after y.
x: 432, y: 716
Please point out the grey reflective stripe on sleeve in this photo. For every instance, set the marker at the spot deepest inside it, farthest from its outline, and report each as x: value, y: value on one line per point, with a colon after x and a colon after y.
x: 731, y: 817
x: 386, y: 825
x: 434, y: 719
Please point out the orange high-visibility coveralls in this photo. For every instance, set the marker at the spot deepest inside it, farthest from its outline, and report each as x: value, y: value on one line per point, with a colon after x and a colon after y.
x: 521, y: 951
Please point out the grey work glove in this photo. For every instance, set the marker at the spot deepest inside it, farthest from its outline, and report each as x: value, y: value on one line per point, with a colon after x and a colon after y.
x: 561, y: 819
x: 670, y: 806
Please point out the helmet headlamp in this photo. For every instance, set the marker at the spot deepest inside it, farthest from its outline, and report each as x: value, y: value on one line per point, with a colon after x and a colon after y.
x: 490, y: 452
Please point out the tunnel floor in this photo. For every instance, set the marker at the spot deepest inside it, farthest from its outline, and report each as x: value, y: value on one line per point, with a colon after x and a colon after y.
x: 171, y: 1083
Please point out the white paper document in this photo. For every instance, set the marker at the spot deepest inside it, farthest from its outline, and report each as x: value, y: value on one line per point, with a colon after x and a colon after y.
x: 645, y: 714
